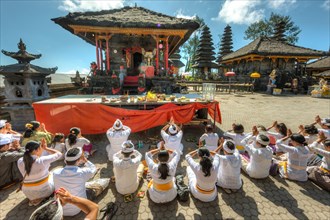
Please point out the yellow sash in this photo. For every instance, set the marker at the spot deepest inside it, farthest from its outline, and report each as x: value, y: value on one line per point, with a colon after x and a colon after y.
x: 324, y: 170
x: 240, y: 148
x: 204, y: 191
x: 161, y: 187
x: 285, y: 168
x: 37, y: 183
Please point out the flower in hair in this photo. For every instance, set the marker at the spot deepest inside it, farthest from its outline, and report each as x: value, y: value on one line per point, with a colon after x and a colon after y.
x: 28, y: 125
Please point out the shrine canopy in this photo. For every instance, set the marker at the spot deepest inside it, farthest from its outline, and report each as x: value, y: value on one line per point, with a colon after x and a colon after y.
x: 264, y: 47
x: 131, y: 21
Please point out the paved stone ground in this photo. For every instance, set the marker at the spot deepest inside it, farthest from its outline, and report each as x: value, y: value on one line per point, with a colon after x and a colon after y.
x: 271, y: 198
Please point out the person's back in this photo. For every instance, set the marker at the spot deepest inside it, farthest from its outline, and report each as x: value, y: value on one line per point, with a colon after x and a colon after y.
x: 173, y: 141
x: 73, y: 177
x: 125, y: 170
x: 229, y: 175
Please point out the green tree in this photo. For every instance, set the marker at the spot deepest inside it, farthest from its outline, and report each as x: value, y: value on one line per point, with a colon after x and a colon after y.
x: 190, y: 46
x: 266, y: 28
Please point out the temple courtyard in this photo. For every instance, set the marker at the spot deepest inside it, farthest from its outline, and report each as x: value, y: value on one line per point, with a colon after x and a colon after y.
x: 271, y: 198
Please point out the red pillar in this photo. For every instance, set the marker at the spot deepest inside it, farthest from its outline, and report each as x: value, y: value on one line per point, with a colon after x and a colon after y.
x: 166, y: 56
x: 157, y: 56
x: 97, y: 52
x: 101, y: 55
x: 108, y: 55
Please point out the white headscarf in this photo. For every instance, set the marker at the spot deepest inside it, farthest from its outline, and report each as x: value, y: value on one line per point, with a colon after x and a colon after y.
x: 117, y: 125
x: 127, y: 147
x: 173, y: 129
x: 227, y: 148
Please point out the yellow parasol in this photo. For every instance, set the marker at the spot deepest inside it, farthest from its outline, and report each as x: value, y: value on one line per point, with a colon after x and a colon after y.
x: 255, y: 75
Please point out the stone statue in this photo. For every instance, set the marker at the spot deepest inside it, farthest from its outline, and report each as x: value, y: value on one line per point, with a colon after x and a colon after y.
x: 148, y: 56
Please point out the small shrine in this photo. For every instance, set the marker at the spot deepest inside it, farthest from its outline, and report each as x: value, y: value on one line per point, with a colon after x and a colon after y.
x: 25, y: 83
x: 133, y: 40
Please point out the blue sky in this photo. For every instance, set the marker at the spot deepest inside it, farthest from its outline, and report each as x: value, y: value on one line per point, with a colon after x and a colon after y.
x: 30, y: 20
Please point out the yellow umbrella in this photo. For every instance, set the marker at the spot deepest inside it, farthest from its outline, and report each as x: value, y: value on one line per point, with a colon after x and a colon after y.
x: 255, y: 75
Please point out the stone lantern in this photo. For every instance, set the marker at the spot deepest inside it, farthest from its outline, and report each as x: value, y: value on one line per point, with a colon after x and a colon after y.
x: 25, y: 83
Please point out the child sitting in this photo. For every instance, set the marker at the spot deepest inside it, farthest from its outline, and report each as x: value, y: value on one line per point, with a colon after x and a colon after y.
x: 211, y: 139
x: 238, y: 135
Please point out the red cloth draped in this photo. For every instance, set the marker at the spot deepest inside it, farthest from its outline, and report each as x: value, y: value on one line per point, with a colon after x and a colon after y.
x: 98, y: 118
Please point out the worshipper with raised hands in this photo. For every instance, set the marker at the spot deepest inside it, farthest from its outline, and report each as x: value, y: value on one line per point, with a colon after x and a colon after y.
x: 37, y: 180
x: 53, y: 210
x: 237, y: 134
x: 127, y: 168
x: 173, y: 138
x: 35, y: 131
x: 75, y: 139
x: 258, y: 161
x: 117, y: 135
x: 280, y: 132
x: 210, y: 137
x: 298, y: 153
x: 162, y: 187
x: 10, y: 152
x: 321, y: 174
x: 74, y: 177
x: 5, y: 128
x: 229, y: 175
x: 202, y: 175
x: 325, y: 125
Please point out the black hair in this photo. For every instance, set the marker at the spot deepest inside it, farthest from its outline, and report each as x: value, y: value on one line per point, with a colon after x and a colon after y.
x: 30, y: 127
x: 311, y: 129
x: 205, y: 161
x: 209, y: 128
x: 72, y: 153
x: 35, y: 124
x: 57, y: 138
x: 47, y: 212
x: 327, y: 143
x: 299, y: 139
x: 238, y: 128
x: 261, y: 128
x: 27, y: 158
x: 163, y: 168
x: 230, y: 145
x: 282, y: 128
x: 72, y: 137
x: 263, y: 138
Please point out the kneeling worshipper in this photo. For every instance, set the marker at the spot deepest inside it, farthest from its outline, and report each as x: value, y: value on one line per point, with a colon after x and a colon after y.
x: 10, y: 152
x: 75, y: 139
x: 229, y: 175
x: 37, y: 180
x: 237, y: 134
x: 162, y: 187
x: 173, y: 137
x: 127, y: 168
x: 211, y: 138
x: 117, y: 135
x: 35, y: 132
x: 325, y: 125
x: 298, y: 154
x: 53, y: 209
x: 320, y: 175
x: 5, y: 128
x: 74, y: 177
x: 202, y: 176
x: 259, y: 159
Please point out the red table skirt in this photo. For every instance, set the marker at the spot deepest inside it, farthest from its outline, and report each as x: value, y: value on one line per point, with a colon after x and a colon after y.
x: 94, y: 118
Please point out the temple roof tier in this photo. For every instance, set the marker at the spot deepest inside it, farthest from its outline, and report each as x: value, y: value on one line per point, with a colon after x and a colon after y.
x: 26, y: 68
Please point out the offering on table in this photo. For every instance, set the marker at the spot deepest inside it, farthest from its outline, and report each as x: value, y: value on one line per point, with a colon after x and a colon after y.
x: 124, y: 98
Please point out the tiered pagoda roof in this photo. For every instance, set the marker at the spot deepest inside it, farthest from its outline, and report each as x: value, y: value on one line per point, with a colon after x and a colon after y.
x: 226, y: 43
x: 23, y: 65
x: 128, y: 20
x: 204, y: 53
x: 267, y: 47
x: 175, y: 59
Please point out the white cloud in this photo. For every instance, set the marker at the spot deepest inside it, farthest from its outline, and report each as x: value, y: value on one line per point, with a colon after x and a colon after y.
x: 277, y: 4
x: 326, y: 5
x: 179, y: 14
x: 240, y: 12
x: 90, y: 5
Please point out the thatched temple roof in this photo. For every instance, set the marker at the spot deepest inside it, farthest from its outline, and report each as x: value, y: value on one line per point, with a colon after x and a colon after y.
x: 264, y: 46
x: 129, y: 18
x: 324, y: 62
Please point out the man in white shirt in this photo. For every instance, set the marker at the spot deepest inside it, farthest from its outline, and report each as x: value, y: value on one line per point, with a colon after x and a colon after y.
x: 260, y: 157
x: 117, y: 134
x: 73, y: 177
x: 173, y: 138
x: 127, y: 168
